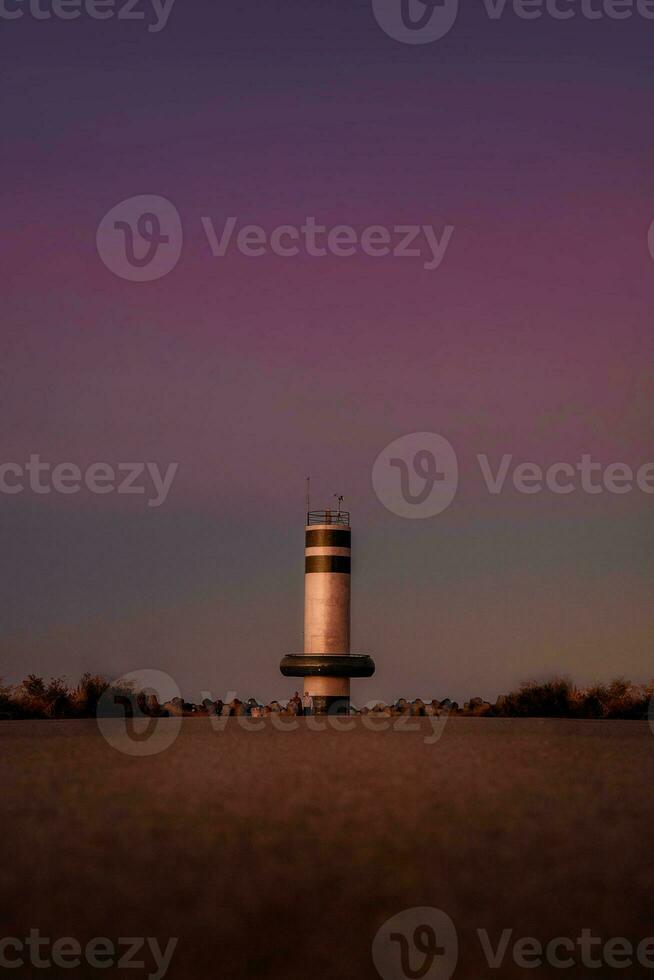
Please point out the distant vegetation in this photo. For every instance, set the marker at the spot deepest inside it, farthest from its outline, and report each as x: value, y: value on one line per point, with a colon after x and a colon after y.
x: 37, y: 698
x: 557, y: 698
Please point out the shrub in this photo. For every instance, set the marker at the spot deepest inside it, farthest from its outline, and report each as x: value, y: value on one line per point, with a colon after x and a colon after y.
x: 88, y: 693
x: 540, y: 699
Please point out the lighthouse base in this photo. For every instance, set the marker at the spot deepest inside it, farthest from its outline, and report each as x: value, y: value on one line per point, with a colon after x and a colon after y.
x: 327, y: 678
x: 330, y: 704
x: 330, y: 695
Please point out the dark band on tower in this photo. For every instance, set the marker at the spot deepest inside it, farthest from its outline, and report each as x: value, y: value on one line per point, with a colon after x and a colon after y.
x: 327, y: 563
x: 327, y: 537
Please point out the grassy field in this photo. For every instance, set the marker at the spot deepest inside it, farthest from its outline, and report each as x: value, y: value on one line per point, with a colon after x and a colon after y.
x: 280, y: 854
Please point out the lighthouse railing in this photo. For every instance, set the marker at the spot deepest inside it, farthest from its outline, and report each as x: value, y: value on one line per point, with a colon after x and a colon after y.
x: 329, y: 517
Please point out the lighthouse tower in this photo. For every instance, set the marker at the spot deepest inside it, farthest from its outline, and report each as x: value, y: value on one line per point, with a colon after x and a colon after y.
x: 327, y: 664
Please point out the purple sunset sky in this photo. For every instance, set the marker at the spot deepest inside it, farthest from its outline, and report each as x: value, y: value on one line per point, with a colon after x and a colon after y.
x: 534, y: 337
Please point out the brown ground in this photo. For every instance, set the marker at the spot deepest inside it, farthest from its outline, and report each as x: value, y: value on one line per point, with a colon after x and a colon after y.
x: 279, y: 854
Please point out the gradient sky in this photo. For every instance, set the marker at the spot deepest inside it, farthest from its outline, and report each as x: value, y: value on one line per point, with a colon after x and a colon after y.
x: 532, y: 138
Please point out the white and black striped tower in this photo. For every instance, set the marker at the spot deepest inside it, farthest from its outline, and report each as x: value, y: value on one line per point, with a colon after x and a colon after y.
x: 327, y: 664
